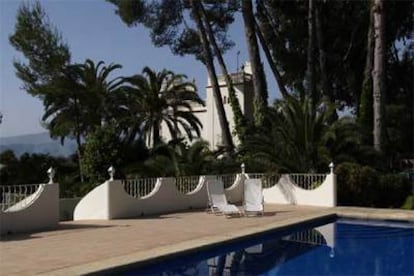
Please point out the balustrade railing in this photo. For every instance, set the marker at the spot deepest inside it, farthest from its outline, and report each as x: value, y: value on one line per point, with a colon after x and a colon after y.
x: 186, y: 184
x: 268, y: 180
x: 228, y: 179
x: 10, y: 195
x: 307, y: 181
x: 139, y: 187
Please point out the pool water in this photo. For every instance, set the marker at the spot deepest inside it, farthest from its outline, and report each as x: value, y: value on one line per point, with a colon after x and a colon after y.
x: 344, y: 247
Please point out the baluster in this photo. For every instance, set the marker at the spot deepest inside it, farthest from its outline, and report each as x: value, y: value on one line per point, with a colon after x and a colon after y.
x: 131, y: 187
x: 140, y: 184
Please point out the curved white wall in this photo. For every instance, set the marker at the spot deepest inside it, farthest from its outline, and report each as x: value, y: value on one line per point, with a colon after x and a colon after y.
x: 286, y: 192
x: 110, y: 201
x: 37, y: 212
x: 234, y: 193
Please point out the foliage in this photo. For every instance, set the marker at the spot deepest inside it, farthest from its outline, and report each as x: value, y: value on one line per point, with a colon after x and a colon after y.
x: 31, y: 169
x: 285, y: 22
x: 101, y: 150
x: 181, y: 25
x: 81, y: 99
x: 364, y: 186
x: 409, y: 203
x: 178, y: 158
x: 42, y: 46
x: 170, y: 23
x: 28, y: 169
x: 162, y: 97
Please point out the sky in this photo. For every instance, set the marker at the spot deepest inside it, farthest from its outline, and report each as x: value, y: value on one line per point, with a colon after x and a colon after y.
x: 93, y: 30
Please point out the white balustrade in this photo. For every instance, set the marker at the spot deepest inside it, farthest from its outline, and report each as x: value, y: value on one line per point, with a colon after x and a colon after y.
x: 10, y: 195
x: 137, y: 197
x: 228, y: 179
x: 186, y: 184
x: 139, y: 187
x: 307, y: 181
x: 268, y: 180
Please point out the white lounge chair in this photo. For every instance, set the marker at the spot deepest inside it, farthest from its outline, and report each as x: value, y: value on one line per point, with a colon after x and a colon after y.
x: 218, y: 201
x: 253, y: 197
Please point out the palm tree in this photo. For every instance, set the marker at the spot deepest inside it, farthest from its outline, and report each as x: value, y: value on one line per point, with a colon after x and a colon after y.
x: 163, y: 97
x: 105, y: 100
x: 177, y: 158
x: 79, y: 100
x: 302, y: 125
x: 293, y: 140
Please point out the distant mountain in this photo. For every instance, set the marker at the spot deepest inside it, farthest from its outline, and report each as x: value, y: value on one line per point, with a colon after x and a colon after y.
x: 37, y: 143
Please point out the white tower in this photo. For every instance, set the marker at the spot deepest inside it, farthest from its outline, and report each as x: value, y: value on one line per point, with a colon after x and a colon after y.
x: 243, y: 86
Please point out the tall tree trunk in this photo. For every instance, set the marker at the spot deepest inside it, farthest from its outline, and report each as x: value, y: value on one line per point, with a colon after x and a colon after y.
x: 365, y: 110
x: 264, y: 42
x: 208, y: 60
x: 156, y: 137
x: 259, y: 81
x: 78, y: 139
x: 310, y: 67
x: 326, y: 89
x: 78, y: 151
x: 239, y: 119
x: 378, y: 72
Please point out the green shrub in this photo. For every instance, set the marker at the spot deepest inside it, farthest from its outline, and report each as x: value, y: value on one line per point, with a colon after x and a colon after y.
x: 354, y: 183
x: 101, y: 151
x: 364, y: 186
x: 393, y: 190
x: 409, y: 203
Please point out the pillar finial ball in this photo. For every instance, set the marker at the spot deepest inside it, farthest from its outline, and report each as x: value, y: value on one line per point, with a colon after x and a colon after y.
x: 51, y: 173
x: 111, y: 171
x: 331, y: 167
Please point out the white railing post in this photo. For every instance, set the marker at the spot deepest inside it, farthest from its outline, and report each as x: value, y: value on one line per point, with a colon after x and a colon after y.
x: 334, y: 184
x: 51, y: 173
x: 243, y: 167
x: 111, y: 171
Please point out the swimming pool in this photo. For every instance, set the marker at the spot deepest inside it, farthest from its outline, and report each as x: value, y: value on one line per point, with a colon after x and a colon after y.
x: 343, y: 247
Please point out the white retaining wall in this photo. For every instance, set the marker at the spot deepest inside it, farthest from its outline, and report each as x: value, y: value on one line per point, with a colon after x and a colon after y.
x: 39, y: 211
x: 287, y: 192
x: 110, y: 201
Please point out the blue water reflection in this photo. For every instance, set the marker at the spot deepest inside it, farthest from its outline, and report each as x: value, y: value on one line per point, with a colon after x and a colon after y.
x: 340, y: 248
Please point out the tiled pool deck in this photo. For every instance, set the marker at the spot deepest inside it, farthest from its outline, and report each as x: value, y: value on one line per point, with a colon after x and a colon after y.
x: 89, y: 246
